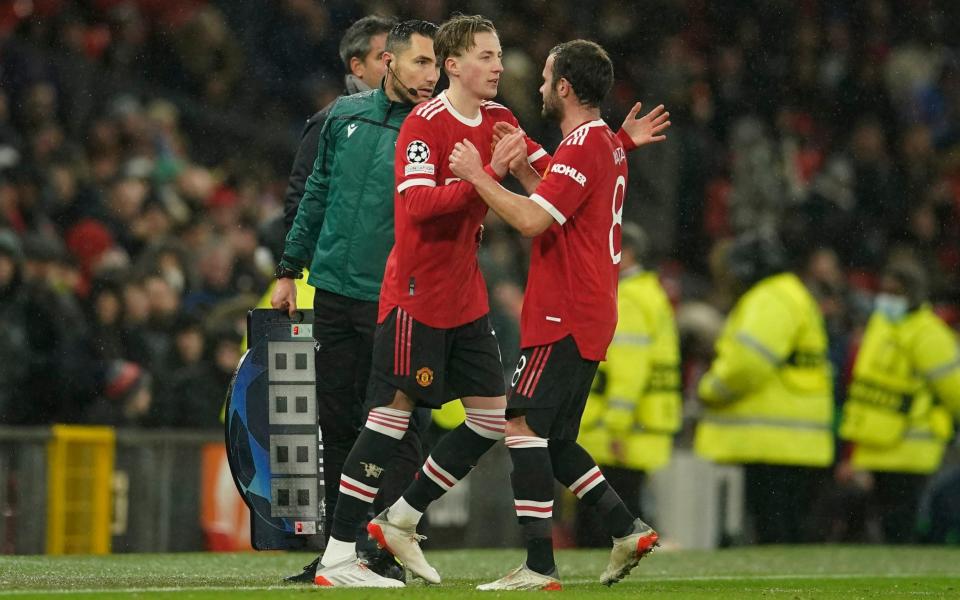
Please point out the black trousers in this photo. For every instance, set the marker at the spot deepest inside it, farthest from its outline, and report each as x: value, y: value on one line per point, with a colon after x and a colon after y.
x: 895, y: 502
x: 343, y: 328
x: 779, y: 500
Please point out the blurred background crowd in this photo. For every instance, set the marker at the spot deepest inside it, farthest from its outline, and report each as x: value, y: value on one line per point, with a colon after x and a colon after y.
x: 145, y: 147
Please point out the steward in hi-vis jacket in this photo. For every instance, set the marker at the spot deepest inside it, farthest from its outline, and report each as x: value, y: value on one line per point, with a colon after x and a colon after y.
x: 768, y: 395
x: 905, y: 385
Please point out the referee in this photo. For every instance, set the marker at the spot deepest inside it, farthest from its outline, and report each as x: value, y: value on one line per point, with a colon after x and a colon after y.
x: 343, y: 230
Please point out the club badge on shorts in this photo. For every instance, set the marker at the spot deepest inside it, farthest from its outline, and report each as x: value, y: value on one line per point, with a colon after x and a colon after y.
x: 424, y: 376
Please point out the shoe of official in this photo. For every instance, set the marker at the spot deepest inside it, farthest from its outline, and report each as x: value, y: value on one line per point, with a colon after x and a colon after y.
x: 382, y: 563
x: 627, y: 552
x: 523, y: 578
x: 353, y: 573
x: 403, y: 543
x: 305, y: 576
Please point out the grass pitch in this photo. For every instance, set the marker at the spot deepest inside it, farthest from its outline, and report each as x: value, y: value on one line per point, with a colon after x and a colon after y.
x: 792, y: 573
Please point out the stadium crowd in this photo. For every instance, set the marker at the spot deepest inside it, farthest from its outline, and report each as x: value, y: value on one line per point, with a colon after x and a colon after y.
x: 142, y: 173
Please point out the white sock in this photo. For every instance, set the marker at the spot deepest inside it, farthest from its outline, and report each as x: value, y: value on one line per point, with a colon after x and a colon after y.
x: 403, y: 515
x: 337, y: 552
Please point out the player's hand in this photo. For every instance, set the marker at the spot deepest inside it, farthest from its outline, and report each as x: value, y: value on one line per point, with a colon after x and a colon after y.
x: 519, y: 163
x: 465, y: 161
x: 649, y: 128
x: 284, y: 295
x: 502, y: 129
x: 509, y: 149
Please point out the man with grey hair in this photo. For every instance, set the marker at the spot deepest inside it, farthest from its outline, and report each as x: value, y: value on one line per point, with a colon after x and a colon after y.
x: 361, y: 50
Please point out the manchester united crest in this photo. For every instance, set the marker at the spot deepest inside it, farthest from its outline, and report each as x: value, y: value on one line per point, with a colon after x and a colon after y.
x: 424, y: 376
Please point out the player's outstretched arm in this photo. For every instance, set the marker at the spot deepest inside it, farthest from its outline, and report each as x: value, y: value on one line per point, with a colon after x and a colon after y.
x: 648, y: 129
x: 518, y: 211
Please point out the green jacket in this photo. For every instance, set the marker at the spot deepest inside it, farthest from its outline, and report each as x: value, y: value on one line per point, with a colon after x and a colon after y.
x: 344, y: 226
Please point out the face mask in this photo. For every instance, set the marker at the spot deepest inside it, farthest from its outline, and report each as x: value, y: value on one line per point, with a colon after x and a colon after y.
x: 892, y: 306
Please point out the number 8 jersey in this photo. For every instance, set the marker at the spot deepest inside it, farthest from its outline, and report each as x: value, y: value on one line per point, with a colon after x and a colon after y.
x: 574, y: 264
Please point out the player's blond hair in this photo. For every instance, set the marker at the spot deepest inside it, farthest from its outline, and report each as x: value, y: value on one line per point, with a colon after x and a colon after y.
x: 456, y: 36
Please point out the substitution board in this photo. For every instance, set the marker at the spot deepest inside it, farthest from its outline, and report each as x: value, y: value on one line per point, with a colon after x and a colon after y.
x: 274, y: 445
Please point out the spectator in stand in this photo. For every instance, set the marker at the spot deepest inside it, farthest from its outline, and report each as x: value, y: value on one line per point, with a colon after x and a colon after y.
x: 125, y: 398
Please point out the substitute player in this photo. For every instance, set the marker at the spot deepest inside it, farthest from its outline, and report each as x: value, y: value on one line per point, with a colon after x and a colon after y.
x: 569, y: 310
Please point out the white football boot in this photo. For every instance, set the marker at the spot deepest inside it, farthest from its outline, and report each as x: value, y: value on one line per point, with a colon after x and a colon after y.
x: 627, y: 552
x: 353, y: 573
x: 523, y: 578
x: 404, y: 543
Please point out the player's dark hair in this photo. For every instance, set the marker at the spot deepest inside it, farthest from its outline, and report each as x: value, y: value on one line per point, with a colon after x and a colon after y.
x: 587, y: 67
x: 355, y: 42
x: 399, y: 36
x: 456, y: 36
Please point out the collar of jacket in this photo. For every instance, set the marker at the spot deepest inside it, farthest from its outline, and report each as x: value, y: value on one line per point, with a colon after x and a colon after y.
x: 353, y: 84
x: 385, y: 99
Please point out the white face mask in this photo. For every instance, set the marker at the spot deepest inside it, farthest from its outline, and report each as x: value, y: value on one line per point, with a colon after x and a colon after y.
x: 892, y: 306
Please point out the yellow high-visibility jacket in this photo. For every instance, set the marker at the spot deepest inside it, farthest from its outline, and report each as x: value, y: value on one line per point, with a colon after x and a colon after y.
x: 635, y: 400
x: 768, y: 393
x: 905, y: 377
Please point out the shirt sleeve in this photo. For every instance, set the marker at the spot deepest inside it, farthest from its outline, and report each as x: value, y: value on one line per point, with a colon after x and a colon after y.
x: 749, y: 355
x: 564, y: 188
x: 625, y: 140
x: 416, y: 155
x: 301, y: 240
x: 936, y: 357
x: 417, y: 172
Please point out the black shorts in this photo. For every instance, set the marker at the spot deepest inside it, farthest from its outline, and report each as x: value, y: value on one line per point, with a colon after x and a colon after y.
x: 550, y: 387
x: 433, y: 366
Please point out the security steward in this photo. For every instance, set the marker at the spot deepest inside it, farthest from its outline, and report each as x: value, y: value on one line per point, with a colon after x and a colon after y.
x: 768, y: 393
x: 905, y: 384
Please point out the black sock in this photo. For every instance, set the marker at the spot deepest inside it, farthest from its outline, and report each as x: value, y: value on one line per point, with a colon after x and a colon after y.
x: 532, y: 480
x: 452, y: 459
x: 401, y: 470
x: 575, y: 469
x: 364, y: 467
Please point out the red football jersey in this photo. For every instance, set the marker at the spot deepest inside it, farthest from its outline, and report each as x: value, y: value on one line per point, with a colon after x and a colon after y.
x: 432, y: 271
x: 572, y: 284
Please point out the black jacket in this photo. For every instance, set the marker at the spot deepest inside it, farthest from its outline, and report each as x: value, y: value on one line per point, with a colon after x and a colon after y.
x: 307, y: 153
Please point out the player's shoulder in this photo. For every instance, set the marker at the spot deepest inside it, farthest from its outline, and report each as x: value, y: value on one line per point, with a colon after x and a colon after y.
x: 427, y: 111
x: 497, y: 112
x: 494, y: 107
x: 359, y: 102
x: 589, y: 134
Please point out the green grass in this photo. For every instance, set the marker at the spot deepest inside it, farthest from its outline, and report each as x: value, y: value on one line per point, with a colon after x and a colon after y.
x: 792, y: 573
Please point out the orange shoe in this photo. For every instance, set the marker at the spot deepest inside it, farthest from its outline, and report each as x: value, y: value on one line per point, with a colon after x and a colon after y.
x: 627, y: 552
